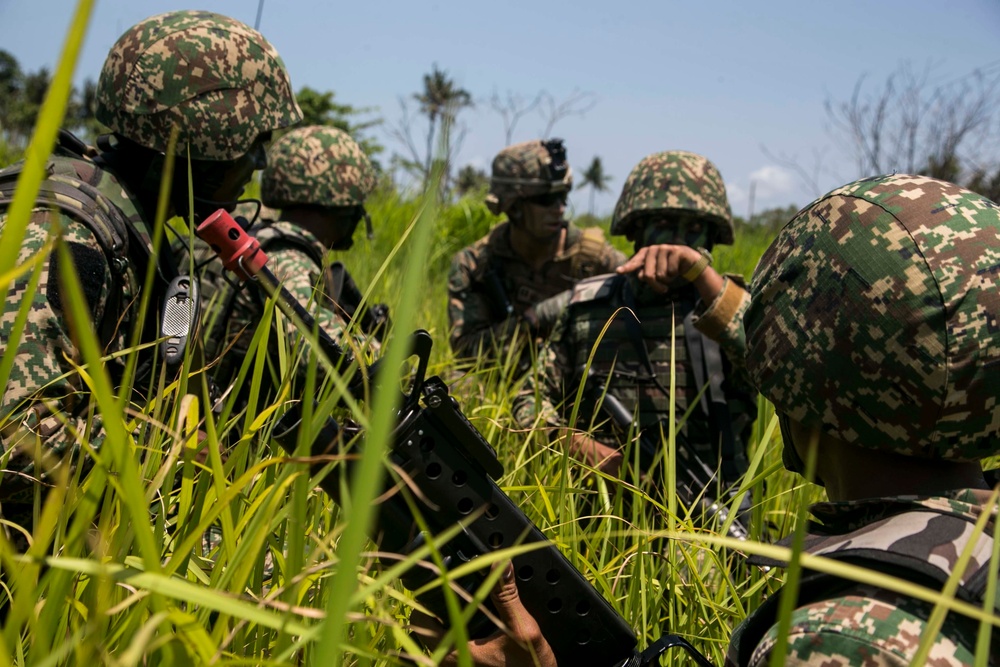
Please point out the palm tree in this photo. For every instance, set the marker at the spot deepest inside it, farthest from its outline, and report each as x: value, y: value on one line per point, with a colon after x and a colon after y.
x: 595, y: 177
x: 441, y: 100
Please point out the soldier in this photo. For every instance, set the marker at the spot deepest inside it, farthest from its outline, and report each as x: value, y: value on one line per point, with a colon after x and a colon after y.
x: 873, y: 330
x: 513, y: 277
x: 319, y: 177
x: 673, y: 207
x: 170, y: 71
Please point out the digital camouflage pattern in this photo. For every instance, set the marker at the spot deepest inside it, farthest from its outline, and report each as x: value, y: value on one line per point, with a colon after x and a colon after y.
x: 523, y: 170
x: 476, y: 324
x: 213, y: 77
x: 602, y: 302
x: 230, y: 320
x: 849, y: 624
x: 43, y: 406
x: 319, y: 166
x: 874, y: 317
x: 674, y: 182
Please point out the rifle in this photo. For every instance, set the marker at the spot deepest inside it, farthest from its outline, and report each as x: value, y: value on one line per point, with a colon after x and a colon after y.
x: 455, y: 469
x: 694, y: 477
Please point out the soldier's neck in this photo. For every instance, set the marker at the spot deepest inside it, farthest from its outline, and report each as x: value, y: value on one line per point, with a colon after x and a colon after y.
x: 851, y: 472
x: 534, y: 251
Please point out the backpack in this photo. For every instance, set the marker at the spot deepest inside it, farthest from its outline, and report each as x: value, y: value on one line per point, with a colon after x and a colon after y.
x: 62, y: 189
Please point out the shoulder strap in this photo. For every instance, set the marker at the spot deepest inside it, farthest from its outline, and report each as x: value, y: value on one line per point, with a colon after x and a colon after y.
x: 709, y: 374
x: 83, y: 202
x: 920, y: 546
x: 269, y: 235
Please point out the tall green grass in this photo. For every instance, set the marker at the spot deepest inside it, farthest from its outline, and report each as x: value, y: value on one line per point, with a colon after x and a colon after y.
x: 120, y: 572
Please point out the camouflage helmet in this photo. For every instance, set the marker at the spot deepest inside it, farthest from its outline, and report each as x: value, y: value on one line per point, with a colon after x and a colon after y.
x: 220, y: 82
x: 873, y: 317
x: 674, y: 181
x: 316, y: 165
x: 528, y: 169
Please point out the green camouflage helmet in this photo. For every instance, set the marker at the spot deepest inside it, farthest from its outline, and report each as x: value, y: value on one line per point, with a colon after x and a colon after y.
x: 216, y: 79
x: 674, y: 181
x: 526, y: 170
x: 873, y: 316
x: 316, y: 165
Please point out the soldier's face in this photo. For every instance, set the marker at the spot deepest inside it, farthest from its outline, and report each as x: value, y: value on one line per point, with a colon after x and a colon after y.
x: 222, y: 183
x: 343, y: 224
x: 674, y: 230
x: 543, y: 217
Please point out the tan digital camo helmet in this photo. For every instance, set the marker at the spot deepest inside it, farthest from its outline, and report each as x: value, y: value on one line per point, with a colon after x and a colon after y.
x: 674, y: 181
x: 219, y: 81
x: 875, y: 316
x: 526, y: 170
x: 318, y: 166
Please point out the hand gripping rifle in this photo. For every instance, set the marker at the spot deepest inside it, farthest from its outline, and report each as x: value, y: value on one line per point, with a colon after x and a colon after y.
x: 695, y: 479
x: 455, y: 470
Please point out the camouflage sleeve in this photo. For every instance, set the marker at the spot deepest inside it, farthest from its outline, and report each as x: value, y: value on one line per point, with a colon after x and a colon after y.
x: 469, y: 314
x: 547, y: 311
x: 722, y: 320
x: 44, y: 395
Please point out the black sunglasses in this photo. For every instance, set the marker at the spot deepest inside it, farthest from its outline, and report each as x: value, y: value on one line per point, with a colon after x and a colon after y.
x: 548, y: 200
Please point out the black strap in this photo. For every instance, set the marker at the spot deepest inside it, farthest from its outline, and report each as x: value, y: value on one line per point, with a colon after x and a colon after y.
x: 720, y: 418
x: 337, y: 277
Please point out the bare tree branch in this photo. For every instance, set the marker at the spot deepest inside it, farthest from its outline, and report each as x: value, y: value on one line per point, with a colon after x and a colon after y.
x: 913, y: 125
x: 402, y: 132
x: 577, y: 103
x: 512, y: 108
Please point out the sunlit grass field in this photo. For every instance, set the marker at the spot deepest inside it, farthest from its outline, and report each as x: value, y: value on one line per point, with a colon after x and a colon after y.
x: 119, y: 571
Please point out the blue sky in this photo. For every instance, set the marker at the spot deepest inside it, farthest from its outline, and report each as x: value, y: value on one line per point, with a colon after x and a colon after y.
x: 723, y: 79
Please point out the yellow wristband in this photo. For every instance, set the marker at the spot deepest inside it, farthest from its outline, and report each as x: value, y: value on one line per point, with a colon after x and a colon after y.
x: 698, y: 267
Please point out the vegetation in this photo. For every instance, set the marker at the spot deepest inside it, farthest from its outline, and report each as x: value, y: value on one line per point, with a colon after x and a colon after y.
x: 322, y: 109
x: 594, y: 178
x: 119, y: 570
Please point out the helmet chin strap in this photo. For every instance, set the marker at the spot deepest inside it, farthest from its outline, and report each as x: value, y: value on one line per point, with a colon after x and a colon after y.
x: 368, y: 225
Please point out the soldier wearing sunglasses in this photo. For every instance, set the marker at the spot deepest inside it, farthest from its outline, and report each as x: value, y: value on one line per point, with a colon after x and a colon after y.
x: 507, y: 288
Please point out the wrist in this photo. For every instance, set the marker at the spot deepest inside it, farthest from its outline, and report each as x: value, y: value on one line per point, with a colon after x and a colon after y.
x: 698, y: 268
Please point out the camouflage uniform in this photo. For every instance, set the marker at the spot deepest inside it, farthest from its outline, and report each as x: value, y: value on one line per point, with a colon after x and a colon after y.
x: 477, y: 321
x: 686, y: 191
x: 310, y: 166
x: 874, y: 319
x: 221, y: 111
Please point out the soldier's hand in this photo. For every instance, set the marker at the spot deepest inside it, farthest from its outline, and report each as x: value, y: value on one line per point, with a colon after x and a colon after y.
x: 521, y: 643
x: 543, y: 315
x: 606, y: 459
x: 661, y: 265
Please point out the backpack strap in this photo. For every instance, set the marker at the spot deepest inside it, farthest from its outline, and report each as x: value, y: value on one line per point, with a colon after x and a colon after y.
x: 82, y: 201
x: 920, y: 546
